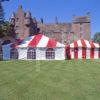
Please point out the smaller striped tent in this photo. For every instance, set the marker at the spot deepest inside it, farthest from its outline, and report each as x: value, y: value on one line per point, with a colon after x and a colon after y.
x: 40, y: 47
x: 83, y: 49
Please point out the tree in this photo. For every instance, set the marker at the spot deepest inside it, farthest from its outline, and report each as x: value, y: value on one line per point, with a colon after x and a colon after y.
x: 4, y: 29
x: 4, y: 26
x: 2, y: 12
x: 96, y: 37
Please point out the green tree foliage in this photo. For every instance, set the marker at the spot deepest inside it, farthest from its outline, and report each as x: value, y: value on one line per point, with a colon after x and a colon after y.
x: 4, y: 29
x: 4, y: 26
x: 96, y: 38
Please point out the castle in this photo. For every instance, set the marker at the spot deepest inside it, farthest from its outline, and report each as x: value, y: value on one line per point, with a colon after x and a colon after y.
x: 68, y: 32
x: 23, y: 25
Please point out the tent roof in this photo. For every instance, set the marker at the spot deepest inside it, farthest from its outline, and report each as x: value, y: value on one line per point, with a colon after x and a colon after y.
x: 84, y: 43
x: 40, y: 41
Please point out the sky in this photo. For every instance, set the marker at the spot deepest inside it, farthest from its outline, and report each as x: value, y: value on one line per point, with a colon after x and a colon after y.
x: 63, y: 9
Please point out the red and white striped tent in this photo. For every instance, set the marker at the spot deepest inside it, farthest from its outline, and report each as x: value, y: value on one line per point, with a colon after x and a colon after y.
x: 40, y: 44
x: 83, y: 49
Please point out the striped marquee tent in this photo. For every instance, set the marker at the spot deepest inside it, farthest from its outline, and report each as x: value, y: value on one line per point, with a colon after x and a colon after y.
x: 40, y: 47
x: 83, y: 49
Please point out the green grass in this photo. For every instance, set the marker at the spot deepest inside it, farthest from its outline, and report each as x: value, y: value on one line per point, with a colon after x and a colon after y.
x: 50, y: 80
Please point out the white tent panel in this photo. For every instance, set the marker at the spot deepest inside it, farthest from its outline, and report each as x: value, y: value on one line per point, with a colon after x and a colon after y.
x: 40, y: 53
x: 59, y: 53
x: 22, y: 53
x: 72, y: 52
x: 96, y: 45
x: 60, y: 45
x: 72, y: 45
x: 79, y: 43
x: 87, y: 53
x: 96, y: 53
x: 43, y: 42
x: 80, y: 53
x: 87, y: 44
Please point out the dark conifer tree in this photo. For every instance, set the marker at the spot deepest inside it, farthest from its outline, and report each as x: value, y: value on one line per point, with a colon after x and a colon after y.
x: 1, y: 13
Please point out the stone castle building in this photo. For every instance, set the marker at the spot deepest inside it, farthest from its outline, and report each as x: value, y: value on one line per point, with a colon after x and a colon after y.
x: 23, y: 25
x: 68, y: 32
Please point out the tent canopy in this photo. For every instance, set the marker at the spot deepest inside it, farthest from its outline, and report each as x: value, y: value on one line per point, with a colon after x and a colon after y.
x: 84, y: 43
x: 40, y: 41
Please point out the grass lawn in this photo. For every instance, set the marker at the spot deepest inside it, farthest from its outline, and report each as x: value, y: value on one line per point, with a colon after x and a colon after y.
x: 50, y: 80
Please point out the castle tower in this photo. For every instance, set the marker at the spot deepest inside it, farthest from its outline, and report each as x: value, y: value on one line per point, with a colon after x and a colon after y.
x: 19, y: 23
x: 23, y: 24
x: 81, y: 26
x: 28, y: 24
x: 35, y: 26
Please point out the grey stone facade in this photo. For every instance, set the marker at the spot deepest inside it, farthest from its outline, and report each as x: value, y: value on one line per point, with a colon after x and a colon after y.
x: 23, y: 25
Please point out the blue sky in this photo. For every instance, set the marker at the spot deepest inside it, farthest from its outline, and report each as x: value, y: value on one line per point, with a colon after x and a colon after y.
x: 64, y: 9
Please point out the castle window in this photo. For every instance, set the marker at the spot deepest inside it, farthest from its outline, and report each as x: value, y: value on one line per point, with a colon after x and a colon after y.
x: 31, y: 54
x: 17, y: 27
x: 17, y: 19
x: 14, y: 53
x: 50, y: 53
